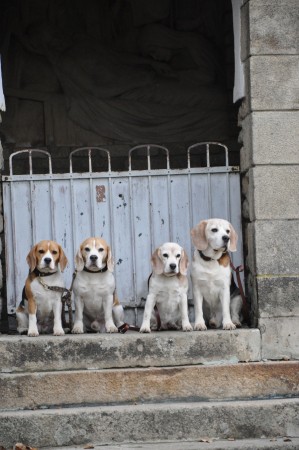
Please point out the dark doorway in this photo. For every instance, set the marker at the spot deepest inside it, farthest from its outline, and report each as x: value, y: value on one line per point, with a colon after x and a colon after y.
x: 115, y: 74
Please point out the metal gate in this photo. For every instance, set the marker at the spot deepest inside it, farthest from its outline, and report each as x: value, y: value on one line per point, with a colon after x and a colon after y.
x: 135, y: 211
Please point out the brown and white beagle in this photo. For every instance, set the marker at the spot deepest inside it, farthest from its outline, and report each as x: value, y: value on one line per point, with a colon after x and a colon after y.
x: 42, y: 310
x: 216, y: 299
x: 97, y: 307
x: 168, y: 287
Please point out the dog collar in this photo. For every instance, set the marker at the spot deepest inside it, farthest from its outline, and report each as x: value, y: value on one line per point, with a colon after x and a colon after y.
x: 207, y: 258
x: 97, y: 271
x: 42, y: 274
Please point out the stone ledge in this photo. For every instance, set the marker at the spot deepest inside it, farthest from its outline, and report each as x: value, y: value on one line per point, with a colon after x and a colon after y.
x: 149, y: 385
x: 133, y: 423
x: 206, y: 444
x: 104, y: 351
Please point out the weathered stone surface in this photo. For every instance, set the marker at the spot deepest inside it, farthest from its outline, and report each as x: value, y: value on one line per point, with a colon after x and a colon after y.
x: 276, y: 246
x: 240, y: 444
x: 113, y: 424
x: 273, y: 192
x: 280, y: 337
x: 185, y: 383
x: 102, y: 351
x: 278, y: 296
x: 270, y: 137
x: 273, y: 82
x: 272, y: 27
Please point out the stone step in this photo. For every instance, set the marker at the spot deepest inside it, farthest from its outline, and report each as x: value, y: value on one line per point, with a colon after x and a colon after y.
x: 145, y: 385
x: 285, y: 443
x: 151, y: 422
x: 104, y: 351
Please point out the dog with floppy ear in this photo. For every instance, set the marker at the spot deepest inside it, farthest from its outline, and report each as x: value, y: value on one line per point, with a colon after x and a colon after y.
x: 168, y: 287
x: 97, y: 307
x: 217, y: 300
x: 41, y: 312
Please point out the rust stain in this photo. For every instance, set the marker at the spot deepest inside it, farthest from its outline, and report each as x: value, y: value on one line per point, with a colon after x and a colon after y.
x: 100, y: 194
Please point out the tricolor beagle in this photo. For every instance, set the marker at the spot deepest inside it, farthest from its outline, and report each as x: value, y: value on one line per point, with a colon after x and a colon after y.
x: 216, y: 299
x: 42, y: 311
x: 94, y: 289
x: 168, y: 286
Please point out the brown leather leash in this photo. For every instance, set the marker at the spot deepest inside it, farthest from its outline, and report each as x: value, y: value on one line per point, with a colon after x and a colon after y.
x: 125, y: 327
x: 245, y: 310
x: 66, y: 299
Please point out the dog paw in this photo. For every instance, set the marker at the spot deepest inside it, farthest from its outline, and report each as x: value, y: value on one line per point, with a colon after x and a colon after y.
x: 22, y: 330
x: 144, y: 329
x: 111, y: 329
x: 200, y: 326
x: 58, y: 332
x: 229, y: 326
x: 77, y: 329
x: 33, y: 333
x: 187, y: 327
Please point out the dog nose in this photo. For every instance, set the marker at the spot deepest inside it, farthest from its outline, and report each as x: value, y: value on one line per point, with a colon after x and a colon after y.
x: 93, y: 258
x: 47, y: 260
x: 225, y: 239
x: 172, y: 266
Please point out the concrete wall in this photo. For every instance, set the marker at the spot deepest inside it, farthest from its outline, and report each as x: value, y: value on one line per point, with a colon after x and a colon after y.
x: 270, y: 167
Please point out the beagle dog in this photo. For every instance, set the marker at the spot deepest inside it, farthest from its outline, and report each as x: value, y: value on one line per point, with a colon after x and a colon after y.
x: 42, y: 310
x: 168, y: 287
x: 216, y: 298
x: 97, y: 307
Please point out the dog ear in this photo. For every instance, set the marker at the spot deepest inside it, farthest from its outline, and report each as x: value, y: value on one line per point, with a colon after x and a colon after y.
x: 110, y: 262
x: 157, y: 264
x: 62, y: 259
x: 79, y: 261
x: 198, y: 234
x: 184, y: 262
x: 233, y: 239
x: 31, y: 259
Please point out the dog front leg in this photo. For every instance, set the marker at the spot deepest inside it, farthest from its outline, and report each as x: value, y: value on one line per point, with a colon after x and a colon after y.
x: 22, y: 319
x: 148, y: 309
x: 57, y: 329
x: 108, y: 305
x: 198, y: 300
x: 225, y: 303
x: 78, y: 325
x: 186, y: 325
x: 32, y: 308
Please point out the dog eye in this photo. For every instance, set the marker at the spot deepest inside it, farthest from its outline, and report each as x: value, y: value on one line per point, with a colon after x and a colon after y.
x: 101, y: 249
x: 54, y: 252
x: 178, y: 255
x: 214, y: 230
x: 228, y: 231
x: 165, y: 255
x: 41, y: 252
x: 87, y: 249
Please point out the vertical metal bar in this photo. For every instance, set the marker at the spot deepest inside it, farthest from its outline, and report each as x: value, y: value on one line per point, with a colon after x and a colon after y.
x: 74, y: 227
x: 91, y: 199
x: 32, y: 209
x: 190, y: 197
x: 30, y: 162
x: 111, y: 221
x: 52, y: 206
x: 209, y: 181
x: 227, y: 184
x: 133, y: 245
x: 14, y: 243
